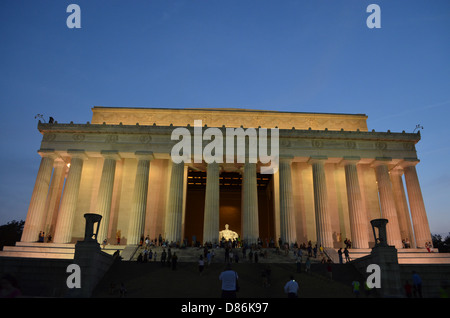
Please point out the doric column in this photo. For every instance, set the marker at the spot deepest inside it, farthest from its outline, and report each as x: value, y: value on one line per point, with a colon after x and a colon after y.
x: 54, y: 194
x: 250, y: 220
x: 139, y: 203
x: 323, y: 222
x: 417, y: 206
x: 174, y: 214
x: 211, y: 219
x: 404, y: 219
x: 105, y: 192
x: 358, y: 217
x: 66, y: 214
x: 287, y: 217
x: 35, y: 221
x: 388, y: 209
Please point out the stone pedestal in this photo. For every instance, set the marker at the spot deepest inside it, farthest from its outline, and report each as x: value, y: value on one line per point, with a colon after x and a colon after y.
x: 93, y: 265
x: 89, y: 257
x: 386, y: 258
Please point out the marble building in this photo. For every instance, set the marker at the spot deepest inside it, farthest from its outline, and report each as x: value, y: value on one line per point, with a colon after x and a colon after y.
x: 333, y: 177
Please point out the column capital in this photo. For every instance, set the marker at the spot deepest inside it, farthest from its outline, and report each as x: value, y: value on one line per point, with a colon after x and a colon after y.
x: 144, y: 155
x: 48, y: 153
x: 381, y: 161
x: 317, y: 159
x: 77, y: 153
x: 214, y: 165
x: 286, y: 158
x: 59, y: 162
x: 110, y: 154
x: 246, y: 164
x: 409, y: 162
x: 397, y: 170
x: 346, y: 160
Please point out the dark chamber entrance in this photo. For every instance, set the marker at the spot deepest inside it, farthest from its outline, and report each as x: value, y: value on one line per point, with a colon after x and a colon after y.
x: 230, y: 204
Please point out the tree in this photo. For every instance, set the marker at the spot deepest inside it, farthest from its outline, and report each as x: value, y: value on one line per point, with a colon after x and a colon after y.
x: 442, y: 245
x: 10, y: 233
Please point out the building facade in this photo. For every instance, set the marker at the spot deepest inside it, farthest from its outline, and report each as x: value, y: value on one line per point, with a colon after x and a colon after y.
x: 333, y: 176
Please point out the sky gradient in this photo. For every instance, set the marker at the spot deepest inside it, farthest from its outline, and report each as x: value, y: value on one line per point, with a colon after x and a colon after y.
x: 303, y: 56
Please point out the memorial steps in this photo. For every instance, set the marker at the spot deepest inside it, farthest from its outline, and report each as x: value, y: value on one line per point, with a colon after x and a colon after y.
x: 408, y: 255
x: 67, y: 251
x: 48, y: 250
x: 192, y: 254
x: 41, y: 267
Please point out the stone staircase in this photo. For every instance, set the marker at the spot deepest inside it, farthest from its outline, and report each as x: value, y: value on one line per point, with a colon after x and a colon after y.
x: 67, y: 251
x: 39, y: 250
x: 49, y: 250
x: 409, y: 255
x: 192, y: 254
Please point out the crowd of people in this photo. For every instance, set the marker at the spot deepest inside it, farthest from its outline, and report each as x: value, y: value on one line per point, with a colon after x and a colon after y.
x: 235, y: 251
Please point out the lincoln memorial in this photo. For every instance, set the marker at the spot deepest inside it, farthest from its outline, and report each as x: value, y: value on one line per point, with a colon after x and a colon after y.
x: 333, y: 175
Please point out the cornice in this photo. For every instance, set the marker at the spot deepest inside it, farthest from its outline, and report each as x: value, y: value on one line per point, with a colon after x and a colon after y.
x: 89, y: 128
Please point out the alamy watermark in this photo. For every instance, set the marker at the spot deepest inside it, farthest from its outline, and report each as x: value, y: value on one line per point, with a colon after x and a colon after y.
x: 74, y: 279
x: 73, y: 21
x: 374, y: 279
x: 239, y: 145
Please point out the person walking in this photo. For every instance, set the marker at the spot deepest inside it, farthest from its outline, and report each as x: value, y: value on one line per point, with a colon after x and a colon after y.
x: 163, y: 257
x: 299, y: 264
x: 230, y: 284
x: 122, y: 290
x: 291, y: 288
x: 308, y: 265
x: 417, y: 285
x: 169, y: 258
x: 201, y: 265
x: 355, y: 285
x: 330, y: 271
x: 408, y: 289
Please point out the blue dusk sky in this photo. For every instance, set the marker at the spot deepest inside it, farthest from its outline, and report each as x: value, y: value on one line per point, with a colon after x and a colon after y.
x: 286, y: 55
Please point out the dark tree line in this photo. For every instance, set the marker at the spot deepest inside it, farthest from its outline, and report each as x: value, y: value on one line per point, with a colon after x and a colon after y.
x: 443, y: 245
x: 10, y: 233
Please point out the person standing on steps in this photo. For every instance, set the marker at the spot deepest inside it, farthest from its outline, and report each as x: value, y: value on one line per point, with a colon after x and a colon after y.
x: 347, y: 256
x: 340, y: 255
